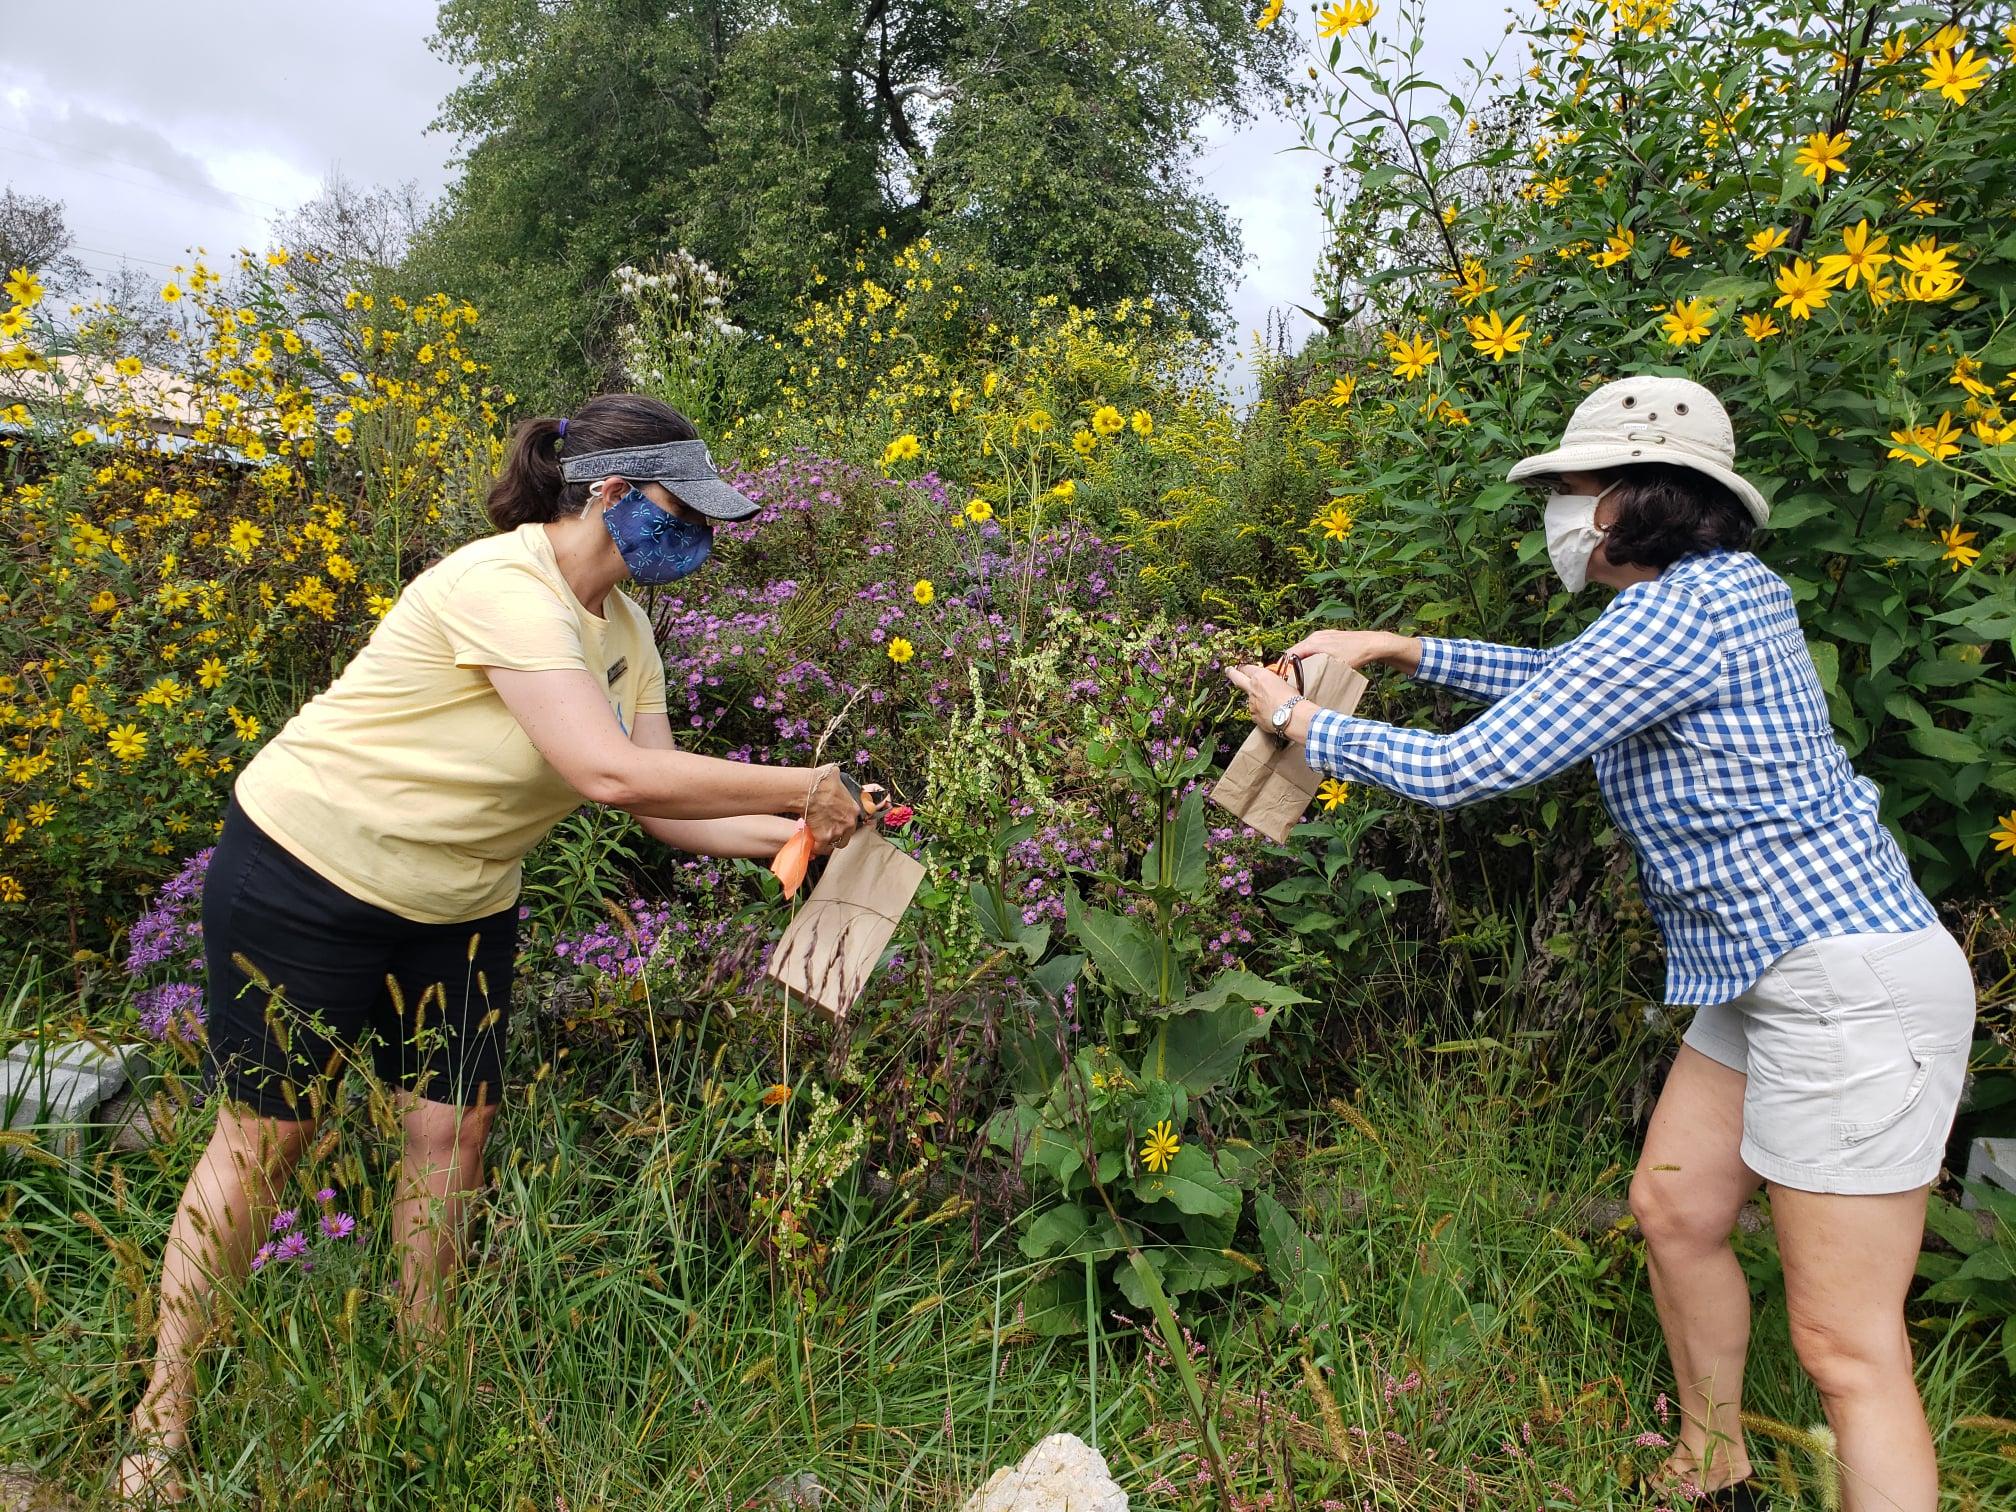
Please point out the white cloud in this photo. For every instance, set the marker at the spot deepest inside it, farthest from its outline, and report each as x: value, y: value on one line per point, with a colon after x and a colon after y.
x: 166, y: 128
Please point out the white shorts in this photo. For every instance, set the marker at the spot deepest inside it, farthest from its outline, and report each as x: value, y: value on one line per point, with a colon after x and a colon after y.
x: 1855, y: 1048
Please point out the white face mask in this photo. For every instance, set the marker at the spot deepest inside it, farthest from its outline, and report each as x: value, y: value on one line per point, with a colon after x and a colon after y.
x: 1572, y: 536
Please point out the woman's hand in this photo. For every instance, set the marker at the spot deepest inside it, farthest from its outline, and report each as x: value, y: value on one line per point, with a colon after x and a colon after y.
x: 1361, y: 648
x: 1265, y: 692
x: 831, y: 812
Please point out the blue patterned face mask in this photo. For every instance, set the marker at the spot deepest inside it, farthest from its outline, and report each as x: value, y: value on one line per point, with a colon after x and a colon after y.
x: 657, y: 546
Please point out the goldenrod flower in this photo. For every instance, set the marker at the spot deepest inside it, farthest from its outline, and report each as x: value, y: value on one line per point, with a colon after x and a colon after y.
x: 1822, y: 155
x: 1332, y: 793
x: 1758, y: 327
x: 1860, y: 258
x: 2004, y: 833
x: 243, y: 539
x: 1687, y: 322
x: 1803, y: 287
x: 1490, y: 334
x: 1341, y: 19
x: 1161, y: 1148
x: 1412, y: 357
x: 1928, y: 270
x: 1957, y: 551
x: 128, y: 742
x: 900, y: 650
x: 1955, y: 78
x: 1966, y: 374
x: 1620, y: 244
x: 1766, y: 241
x: 1472, y: 284
x: 1335, y: 522
x: 1919, y: 444
x: 922, y: 591
x: 23, y: 287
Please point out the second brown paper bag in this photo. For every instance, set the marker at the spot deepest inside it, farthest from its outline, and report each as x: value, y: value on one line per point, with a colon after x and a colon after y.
x: 1268, y: 784
x: 830, y: 949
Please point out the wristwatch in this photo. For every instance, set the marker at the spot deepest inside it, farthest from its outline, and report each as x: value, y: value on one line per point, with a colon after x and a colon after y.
x: 1279, y: 718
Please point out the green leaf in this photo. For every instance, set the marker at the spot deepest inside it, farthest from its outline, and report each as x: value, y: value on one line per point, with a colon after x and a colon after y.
x: 1238, y: 987
x: 1202, y: 1051
x: 1128, y: 957
x: 1191, y: 1183
x: 1054, y: 1305
x: 1060, y: 1231
x: 1057, y: 973
x: 1298, y: 1267
x: 1827, y: 662
x: 1186, y: 862
x: 1945, y: 745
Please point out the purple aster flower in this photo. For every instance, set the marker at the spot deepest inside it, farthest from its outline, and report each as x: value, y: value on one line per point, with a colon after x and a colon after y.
x: 327, y: 1194
x: 286, y: 1219
x: 338, y: 1226
x: 292, y: 1247
x: 261, y: 1256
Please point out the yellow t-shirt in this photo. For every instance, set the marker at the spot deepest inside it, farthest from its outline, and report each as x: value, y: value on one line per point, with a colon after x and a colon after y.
x: 408, y: 783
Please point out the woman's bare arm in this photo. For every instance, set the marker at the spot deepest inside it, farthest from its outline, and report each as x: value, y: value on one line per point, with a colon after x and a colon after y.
x: 568, y: 719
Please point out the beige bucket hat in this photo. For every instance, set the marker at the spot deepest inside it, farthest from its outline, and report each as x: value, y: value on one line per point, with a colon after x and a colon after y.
x: 1648, y: 419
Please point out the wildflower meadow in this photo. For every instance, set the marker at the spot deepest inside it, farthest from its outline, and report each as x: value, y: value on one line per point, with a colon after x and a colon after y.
x: 1289, y: 1176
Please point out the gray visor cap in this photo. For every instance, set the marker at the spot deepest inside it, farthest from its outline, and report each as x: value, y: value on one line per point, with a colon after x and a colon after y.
x: 682, y: 466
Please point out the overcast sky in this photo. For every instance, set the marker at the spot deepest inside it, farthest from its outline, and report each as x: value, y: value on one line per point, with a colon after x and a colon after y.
x: 164, y: 127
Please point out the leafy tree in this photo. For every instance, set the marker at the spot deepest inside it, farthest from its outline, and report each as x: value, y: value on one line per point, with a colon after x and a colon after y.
x: 1048, y: 143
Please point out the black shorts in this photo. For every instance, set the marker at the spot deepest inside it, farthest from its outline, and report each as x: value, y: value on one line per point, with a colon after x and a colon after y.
x: 336, y: 982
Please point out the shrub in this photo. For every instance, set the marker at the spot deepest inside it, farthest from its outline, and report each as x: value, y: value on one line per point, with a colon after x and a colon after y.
x: 1809, y: 217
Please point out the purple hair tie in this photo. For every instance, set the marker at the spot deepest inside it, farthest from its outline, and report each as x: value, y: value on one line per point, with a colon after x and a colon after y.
x: 563, y: 427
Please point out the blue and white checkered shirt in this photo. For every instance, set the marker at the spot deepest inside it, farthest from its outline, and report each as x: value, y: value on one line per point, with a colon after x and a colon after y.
x: 1699, y: 704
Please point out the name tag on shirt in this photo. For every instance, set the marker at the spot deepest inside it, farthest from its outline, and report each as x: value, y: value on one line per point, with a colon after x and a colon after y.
x: 622, y: 666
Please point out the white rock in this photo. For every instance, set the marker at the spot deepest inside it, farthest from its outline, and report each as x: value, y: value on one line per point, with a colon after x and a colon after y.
x: 1061, y: 1474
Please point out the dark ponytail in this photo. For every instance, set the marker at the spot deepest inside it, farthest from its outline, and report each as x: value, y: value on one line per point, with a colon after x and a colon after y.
x: 530, y: 488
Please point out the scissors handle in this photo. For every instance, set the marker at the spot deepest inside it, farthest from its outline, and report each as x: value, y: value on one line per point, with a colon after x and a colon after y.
x: 870, y: 798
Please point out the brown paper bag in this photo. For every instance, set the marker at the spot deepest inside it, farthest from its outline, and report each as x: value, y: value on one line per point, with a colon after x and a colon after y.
x: 1268, y: 784
x: 831, y: 947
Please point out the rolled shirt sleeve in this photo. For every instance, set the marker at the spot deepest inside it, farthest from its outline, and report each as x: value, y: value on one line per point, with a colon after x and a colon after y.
x: 1482, y: 669
x: 1650, y: 656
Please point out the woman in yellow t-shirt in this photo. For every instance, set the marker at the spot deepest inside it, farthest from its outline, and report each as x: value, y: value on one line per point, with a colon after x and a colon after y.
x: 367, y: 873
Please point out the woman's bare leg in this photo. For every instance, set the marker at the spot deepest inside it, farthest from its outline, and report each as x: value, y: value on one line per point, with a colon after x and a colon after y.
x: 1848, y: 1262
x: 218, y: 1223
x: 1690, y: 1185
x: 440, y: 1170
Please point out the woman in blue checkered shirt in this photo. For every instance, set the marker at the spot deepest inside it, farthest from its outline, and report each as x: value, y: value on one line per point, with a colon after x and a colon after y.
x: 1832, y: 1013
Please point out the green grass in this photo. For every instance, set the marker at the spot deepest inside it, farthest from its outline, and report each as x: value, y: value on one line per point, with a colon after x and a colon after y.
x: 628, y: 1338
